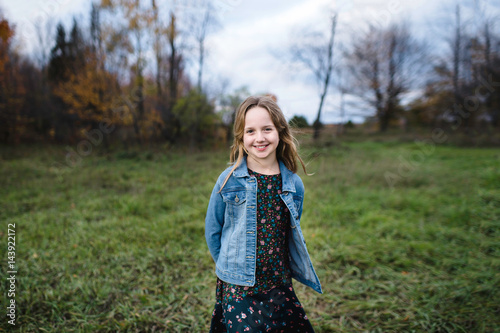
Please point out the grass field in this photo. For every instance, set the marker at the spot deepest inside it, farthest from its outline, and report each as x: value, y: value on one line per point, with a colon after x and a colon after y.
x: 404, y: 238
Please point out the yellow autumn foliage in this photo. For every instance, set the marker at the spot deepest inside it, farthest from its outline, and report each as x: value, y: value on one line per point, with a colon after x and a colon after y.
x: 94, y: 96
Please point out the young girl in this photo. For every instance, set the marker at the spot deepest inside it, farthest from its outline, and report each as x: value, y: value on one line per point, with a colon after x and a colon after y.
x: 253, y: 229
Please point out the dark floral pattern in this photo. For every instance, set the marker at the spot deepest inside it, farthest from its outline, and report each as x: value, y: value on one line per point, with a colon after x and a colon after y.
x: 271, y: 304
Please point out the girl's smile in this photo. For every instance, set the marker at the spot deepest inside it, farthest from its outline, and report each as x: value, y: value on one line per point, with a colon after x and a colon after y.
x: 261, y: 148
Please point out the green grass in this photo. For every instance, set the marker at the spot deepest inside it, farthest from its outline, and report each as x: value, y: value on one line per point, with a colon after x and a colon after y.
x: 116, y: 243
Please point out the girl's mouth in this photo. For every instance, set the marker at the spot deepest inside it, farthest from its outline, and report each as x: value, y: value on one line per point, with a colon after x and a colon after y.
x: 261, y: 148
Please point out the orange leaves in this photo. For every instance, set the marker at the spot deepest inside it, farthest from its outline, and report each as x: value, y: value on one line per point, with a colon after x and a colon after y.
x: 138, y: 16
x: 107, y: 4
x: 152, y: 124
x: 12, y: 88
x: 6, y: 31
x: 89, y: 93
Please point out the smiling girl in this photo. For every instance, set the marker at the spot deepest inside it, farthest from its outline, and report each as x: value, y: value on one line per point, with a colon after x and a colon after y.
x: 253, y: 229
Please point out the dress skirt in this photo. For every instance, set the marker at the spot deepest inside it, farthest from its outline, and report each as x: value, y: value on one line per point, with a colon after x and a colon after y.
x: 271, y: 304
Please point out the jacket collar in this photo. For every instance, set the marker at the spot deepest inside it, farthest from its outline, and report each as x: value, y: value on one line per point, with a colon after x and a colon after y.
x: 286, y: 175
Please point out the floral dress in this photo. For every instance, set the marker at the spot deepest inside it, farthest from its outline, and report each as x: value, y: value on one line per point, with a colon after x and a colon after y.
x: 271, y: 304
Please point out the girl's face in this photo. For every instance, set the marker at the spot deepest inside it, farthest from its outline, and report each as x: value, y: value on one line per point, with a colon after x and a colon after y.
x: 260, y: 136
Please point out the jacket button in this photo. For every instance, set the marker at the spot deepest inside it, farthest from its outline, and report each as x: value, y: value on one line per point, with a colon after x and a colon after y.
x: 236, y: 199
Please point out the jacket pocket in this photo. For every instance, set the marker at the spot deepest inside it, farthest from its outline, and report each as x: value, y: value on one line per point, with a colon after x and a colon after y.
x: 297, y: 200
x: 235, y: 204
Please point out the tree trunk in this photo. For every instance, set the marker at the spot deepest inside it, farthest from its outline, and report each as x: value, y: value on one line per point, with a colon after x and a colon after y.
x: 383, y: 120
x: 456, y: 58
x: 326, y: 82
x: 200, y: 69
x: 391, y: 93
x: 317, y: 122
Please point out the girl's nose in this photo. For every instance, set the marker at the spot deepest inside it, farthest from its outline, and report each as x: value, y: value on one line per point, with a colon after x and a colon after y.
x: 260, y: 136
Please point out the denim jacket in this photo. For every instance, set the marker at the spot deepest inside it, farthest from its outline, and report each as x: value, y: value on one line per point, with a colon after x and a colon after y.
x: 231, y: 227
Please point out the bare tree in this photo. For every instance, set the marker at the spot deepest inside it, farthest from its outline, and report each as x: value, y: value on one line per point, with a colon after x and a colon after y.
x: 384, y: 64
x: 315, y: 51
x: 174, y: 60
x: 457, y: 50
x: 44, y: 32
x: 157, y: 46
x: 489, y: 43
x: 202, y: 21
x: 343, y: 89
x: 465, y: 63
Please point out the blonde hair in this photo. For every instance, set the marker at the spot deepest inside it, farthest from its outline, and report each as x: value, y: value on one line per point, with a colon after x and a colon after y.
x: 287, y: 148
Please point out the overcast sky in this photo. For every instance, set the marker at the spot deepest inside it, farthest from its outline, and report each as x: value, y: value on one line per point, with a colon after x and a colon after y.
x: 244, y: 51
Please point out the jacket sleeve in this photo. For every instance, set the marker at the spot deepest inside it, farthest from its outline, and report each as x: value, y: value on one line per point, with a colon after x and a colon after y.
x: 214, y: 221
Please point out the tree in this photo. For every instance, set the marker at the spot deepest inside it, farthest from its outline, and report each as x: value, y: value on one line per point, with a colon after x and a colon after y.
x: 461, y: 92
x: 58, y: 63
x: 67, y: 55
x: 197, y: 117
x: 384, y: 64
x: 10, y: 89
x: 157, y: 46
x: 203, y: 22
x: 228, y: 106
x: 488, y: 68
x: 20, y: 92
x: 472, y: 59
x: 90, y: 93
x: 175, y: 71
x: 96, y: 37
x: 298, y: 122
x: 40, y: 92
x: 138, y: 19
x: 59, y: 69
x: 44, y: 31
x: 457, y: 55
x: 175, y: 60
x: 142, y: 31
x: 315, y: 51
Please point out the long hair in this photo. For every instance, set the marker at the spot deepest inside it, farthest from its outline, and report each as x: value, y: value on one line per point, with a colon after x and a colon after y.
x: 287, y: 147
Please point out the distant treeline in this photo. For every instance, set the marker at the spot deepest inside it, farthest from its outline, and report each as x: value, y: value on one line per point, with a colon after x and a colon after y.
x: 93, y: 82
x: 124, y: 77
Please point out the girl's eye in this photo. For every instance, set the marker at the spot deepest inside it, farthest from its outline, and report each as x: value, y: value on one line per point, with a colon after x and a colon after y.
x: 249, y: 131
x: 269, y: 129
